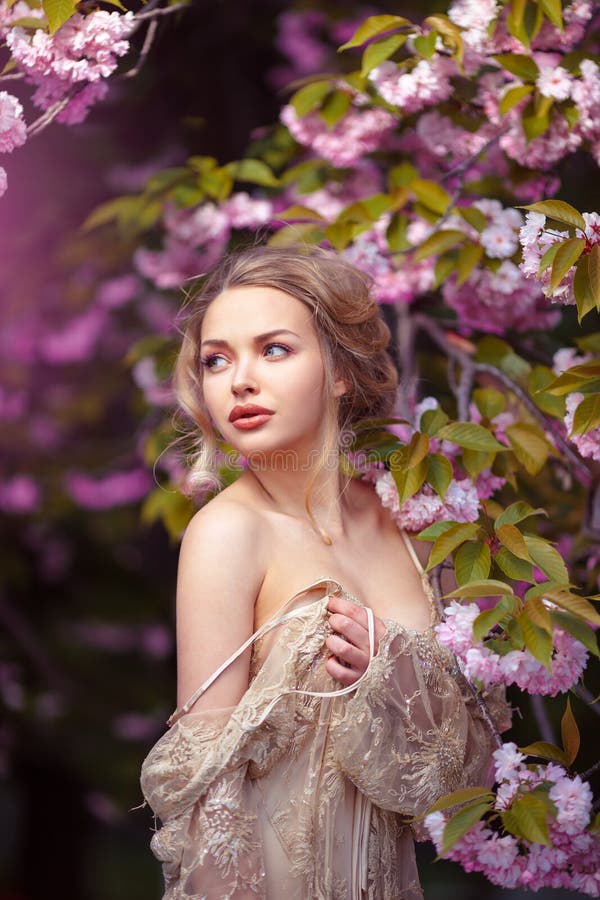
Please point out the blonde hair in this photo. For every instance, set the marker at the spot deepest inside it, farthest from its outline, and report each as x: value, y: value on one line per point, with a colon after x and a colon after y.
x: 348, y: 323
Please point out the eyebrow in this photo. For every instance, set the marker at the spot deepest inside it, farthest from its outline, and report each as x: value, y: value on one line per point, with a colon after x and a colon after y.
x: 219, y: 342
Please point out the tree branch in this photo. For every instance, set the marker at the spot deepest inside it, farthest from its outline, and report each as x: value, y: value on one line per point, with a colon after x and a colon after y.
x: 439, y: 337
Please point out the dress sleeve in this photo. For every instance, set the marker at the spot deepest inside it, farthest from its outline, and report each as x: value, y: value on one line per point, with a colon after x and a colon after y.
x: 195, y: 780
x: 413, y: 731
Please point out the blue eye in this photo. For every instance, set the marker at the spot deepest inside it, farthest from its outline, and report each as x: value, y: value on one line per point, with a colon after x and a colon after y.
x: 282, y: 347
x: 209, y: 361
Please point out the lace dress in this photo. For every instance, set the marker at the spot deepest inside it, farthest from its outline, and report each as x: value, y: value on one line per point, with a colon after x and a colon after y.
x: 303, y: 790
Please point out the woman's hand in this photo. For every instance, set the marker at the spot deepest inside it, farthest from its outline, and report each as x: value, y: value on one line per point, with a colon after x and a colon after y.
x: 349, y: 645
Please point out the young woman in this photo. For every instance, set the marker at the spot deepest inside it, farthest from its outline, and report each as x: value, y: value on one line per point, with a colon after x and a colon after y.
x: 317, y: 712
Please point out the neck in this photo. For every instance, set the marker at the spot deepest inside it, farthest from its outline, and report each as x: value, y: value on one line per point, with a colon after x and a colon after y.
x: 286, y: 490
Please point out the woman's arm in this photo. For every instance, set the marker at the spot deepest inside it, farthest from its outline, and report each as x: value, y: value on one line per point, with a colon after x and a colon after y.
x: 221, y: 568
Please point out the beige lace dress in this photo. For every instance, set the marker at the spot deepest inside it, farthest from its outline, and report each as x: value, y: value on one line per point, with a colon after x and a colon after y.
x: 303, y: 790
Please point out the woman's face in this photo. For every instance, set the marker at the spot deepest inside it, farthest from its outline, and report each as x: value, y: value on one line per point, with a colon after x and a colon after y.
x: 259, y: 349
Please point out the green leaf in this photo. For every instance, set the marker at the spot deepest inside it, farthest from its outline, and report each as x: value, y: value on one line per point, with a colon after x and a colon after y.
x: 57, y: 12
x: 254, y: 171
x: 489, y: 401
x: 537, y: 640
x: 548, y: 258
x: 581, y: 631
x: 424, y: 44
x: 488, y: 587
x: 450, y: 34
x: 408, y: 480
x: 511, y: 538
x: 535, y: 121
x: 432, y: 532
x: 570, y: 734
x: 463, y: 821
x: 468, y: 257
x: 450, y: 540
x: 471, y: 435
x: 438, y: 242
x: 512, y: 566
x: 513, y: 97
x: 456, y: 798
x: 474, y: 217
x: 547, y: 558
x: 444, y: 266
x: 546, y: 751
x: 335, y: 107
x: 310, y: 96
x: 539, y: 613
x: 566, y: 256
x: 559, y: 211
x: 439, y: 473
x: 402, y: 175
x: 432, y: 195
x: 302, y: 232
x: 299, y: 212
x: 373, y: 26
x: 475, y: 461
x: 490, y: 617
x: 578, y: 606
x: 540, y: 378
x: 472, y: 562
x: 529, y: 444
x: 587, y: 414
x: 432, y: 420
x: 340, y: 234
x: 416, y: 450
x: 586, y: 286
x: 396, y: 234
x: 517, y: 64
x: 553, y: 11
x: 379, y: 51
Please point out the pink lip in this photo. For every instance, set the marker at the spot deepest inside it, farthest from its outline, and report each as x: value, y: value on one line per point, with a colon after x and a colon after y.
x: 249, y: 415
x: 248, y: 422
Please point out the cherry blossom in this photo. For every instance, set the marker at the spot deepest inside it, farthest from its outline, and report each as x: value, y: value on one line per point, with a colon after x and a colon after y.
x: 517, y: 666
x: 424, y: 85
x: 13, y: 131
x: 359, y: 132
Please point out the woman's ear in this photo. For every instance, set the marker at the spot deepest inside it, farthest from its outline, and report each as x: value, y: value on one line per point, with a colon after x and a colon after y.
x: 340, y: 387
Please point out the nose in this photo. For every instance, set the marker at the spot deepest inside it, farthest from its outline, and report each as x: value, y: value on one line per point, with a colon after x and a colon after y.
x: 243, y: 380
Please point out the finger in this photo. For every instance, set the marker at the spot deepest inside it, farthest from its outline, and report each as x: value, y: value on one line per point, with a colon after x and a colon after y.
x: 340, y: 673
x: 348, y: 608
x: 347, y: 653
x: 350, y: 630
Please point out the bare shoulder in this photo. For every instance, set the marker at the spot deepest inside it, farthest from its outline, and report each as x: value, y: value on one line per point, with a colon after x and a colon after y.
x: 221, y: 569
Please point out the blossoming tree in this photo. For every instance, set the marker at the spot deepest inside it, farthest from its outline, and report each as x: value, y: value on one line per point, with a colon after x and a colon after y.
x: 431, y: 156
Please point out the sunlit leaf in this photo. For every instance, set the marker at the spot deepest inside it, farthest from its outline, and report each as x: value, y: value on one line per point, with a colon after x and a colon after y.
x: 471, y: 435
x: 547, y: 558
x: 530, y: 445
x: 570, y: 733
x: 472, y: 562
x: 379, y: 51
x: 373, y: 26
x: 560, y: 211
x: 528, y: 818
x: 545, y: 750
x: 463, y: 821
x: 517, y: 64
x: 439, y: 473
x: 566, y: 256
x: 450, y: 540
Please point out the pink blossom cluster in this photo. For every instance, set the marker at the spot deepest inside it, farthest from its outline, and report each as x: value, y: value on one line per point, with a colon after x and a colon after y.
x: 392, y: 283
x: 20, y: 494
x: 359, y: 132
x: 461, y: 503
x: 571, y: 861
x: 83, y: 52
x: 196, y: 238
x: 519, y: 667
x: 426, y: 84
x: 536, y: 238
x: 498, y: 301
x: 588, y: 444
x: 115, y: 489
x: 13, y: 131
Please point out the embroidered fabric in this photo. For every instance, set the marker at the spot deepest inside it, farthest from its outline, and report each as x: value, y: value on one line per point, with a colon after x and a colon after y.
x: 303, y: 790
